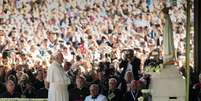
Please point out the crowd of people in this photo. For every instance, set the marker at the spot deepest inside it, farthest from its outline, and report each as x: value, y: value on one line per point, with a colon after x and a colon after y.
x: 104, y: 42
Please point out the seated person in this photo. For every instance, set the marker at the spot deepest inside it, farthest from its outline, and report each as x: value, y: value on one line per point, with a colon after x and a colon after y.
x: 197, y: 89
x: 114, y: 94
x: 10, y: 91
x: 80, y: 91
x: 42, y: 92
x: 2, y: 88
x: 134, y: 92
x: 94, y: 94
x: 39, y: 82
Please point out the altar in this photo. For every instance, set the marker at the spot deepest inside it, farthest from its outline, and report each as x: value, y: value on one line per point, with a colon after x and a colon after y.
x: 168, y: 85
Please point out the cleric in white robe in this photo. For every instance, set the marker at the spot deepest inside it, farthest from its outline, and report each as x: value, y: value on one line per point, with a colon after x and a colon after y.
x: 94, y: 94
x: 58, y: 81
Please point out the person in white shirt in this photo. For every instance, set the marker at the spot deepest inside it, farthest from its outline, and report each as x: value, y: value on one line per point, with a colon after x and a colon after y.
x: 58, y: 81
x: 94, y: 94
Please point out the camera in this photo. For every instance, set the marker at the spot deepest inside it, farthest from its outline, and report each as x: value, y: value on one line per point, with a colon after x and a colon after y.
x: 128, y: 53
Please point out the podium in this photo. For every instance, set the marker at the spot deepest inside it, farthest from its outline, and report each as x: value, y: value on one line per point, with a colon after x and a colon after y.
x: 168, y: 85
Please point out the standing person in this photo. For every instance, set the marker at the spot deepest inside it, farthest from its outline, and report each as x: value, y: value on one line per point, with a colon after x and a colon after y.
x: 130, y: 63
x: 58, y: 81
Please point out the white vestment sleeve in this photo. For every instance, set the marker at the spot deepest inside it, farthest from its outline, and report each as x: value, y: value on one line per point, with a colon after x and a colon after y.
x: 50, y: 77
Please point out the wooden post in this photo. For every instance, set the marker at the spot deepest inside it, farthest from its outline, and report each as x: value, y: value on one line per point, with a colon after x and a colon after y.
x: 187, y: 48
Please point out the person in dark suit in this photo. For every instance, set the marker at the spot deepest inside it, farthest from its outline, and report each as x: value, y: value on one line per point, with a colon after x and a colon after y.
x: 2, y: 87
x: 42, y: 93
x: 2, y: 73
x: 114, y: 94
x: 130, y: 63
x: 80, y: 91
x: 10, y: 91
x: 134, y: 92
x: 197, y: 90
x: 39, y: 82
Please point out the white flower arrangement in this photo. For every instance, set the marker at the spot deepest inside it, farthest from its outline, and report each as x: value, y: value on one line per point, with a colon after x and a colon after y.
x: 140, y: 99
x: 156, y: 69
x: 146, y: 91
x: 146, y: 94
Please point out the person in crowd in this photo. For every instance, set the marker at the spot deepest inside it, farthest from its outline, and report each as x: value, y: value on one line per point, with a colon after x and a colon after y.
x: 134, y: 93
x: 2, y: 73
x: 22, y: 83
x: 42, y: 92
x: 102, y: 82
x: 130, y: 63
x: 80, y: 91
x: 94, y: 94
x: 58, y: 81
x: 69, y: 71
x: 2, y: 88
x: 114, y: 94
x: 197, y: 88
x: 10, y: 91
x: 128, y: 77
x: 39, y: 82
x: 29, y: 91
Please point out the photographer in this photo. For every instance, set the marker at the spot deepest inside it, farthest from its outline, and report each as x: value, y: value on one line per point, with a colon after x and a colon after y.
x: 130, y: 63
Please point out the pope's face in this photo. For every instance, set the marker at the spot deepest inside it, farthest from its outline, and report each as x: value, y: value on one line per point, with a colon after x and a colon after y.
x: 60, y: 58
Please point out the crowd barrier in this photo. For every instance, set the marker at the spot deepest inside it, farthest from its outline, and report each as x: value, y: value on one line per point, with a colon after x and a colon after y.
x: 146, y: 97
x: 21, y: 99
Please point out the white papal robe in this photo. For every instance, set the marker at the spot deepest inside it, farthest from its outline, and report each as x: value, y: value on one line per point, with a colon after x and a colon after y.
x: 58, y: 83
